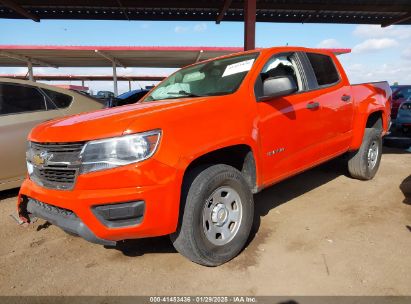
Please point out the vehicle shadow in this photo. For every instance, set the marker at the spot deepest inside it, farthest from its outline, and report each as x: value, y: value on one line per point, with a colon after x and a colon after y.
x: 264, y: 201
x: 405, y: 187
x: 139, y: 247
x: 9, y: 193
x: 397, y: 143
x: 293, y: 187
x: 395, y: 150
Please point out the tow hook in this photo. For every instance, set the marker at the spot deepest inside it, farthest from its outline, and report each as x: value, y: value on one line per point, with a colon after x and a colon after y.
x: 32, y: 219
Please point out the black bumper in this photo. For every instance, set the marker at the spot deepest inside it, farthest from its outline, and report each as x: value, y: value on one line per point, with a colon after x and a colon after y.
x: 66, y: 220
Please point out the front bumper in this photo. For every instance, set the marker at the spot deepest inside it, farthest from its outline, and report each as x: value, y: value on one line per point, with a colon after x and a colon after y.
x: 403, y: 122
x: 161, y: 203
x: 65, y: 219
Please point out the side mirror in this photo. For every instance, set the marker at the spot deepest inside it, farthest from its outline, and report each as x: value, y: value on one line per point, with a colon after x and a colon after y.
x: 278, y: 86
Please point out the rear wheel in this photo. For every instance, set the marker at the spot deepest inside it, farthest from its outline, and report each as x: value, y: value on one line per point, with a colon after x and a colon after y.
x: 217, y: 217
x: 364, y: 163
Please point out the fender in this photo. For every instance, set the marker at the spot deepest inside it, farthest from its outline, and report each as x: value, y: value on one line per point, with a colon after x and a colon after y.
x: 360, y: 123
x: 186, y: 160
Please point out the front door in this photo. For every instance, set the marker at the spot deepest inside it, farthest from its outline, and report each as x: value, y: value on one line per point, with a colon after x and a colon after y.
x: 289, y: 126
x: 21, y: 108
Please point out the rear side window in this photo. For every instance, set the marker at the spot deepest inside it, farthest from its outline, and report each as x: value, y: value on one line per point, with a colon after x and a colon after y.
x: 57, y: 100
x: 324, y: 69
x: 19, y: 99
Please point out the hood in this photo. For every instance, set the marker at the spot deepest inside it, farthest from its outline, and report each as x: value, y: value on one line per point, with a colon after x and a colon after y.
x: 103, y: 123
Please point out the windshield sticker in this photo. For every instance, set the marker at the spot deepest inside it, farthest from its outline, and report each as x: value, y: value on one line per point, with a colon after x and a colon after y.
x: 238, y: 67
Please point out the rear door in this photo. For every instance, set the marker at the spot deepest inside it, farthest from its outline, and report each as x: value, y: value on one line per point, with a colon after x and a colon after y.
x: 21, y: 108
x: 333, y: 93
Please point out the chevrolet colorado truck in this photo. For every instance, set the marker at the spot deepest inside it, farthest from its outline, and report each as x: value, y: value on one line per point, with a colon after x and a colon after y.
x: 186, y: 160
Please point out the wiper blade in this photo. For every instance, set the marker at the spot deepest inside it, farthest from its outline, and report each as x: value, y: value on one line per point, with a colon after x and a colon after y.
x: 218, y: 93
x: 184, y: 93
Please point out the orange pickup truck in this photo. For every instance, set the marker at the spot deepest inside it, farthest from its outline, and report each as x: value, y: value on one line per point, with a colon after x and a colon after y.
x: 187, y: 159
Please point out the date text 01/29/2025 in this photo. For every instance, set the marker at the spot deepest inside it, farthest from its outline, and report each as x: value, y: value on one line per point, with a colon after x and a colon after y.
x: 203, y: 299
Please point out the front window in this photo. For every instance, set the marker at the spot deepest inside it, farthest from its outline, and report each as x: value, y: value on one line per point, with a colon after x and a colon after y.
x: 217, y: 77
x: 279, y: 65
x: 15, y: 98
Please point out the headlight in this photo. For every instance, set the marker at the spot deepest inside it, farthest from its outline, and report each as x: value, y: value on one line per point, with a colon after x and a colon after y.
x: 119, y: 151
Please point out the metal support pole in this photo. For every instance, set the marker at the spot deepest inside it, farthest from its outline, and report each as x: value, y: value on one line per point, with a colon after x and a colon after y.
x: 129, y: 85
x: 199, y: 55
x: 115, y: 79
x: 82, y: 83
x: 30, y: 68
x: 249, y: 24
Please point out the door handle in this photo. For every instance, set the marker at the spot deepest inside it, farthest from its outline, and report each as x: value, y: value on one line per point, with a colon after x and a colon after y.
x: 345, y: 98
x: 313, y: 105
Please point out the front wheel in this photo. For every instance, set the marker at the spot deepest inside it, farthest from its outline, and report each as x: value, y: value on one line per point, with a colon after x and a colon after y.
x: 364, y: 163
x: 217, y: 216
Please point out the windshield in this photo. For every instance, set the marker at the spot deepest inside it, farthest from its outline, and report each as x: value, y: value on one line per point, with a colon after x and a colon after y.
x: 217, y: 77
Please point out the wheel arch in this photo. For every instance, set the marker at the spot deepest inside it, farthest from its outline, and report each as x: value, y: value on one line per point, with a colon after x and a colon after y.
x: 374, y: 119
x: 239, y: 156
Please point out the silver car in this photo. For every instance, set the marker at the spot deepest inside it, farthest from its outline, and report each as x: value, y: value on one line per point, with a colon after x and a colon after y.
x: 24, y: 104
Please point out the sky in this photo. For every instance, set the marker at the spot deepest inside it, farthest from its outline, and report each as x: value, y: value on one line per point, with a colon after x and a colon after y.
x: 377, y: 53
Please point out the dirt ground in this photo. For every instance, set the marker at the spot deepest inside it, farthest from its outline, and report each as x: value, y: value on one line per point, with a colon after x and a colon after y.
x: 319, y: 233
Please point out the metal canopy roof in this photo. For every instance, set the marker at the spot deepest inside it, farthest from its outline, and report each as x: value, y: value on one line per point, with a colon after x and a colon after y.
x: 104, y: 56
x: 384, y: 12
x: 50, y: 77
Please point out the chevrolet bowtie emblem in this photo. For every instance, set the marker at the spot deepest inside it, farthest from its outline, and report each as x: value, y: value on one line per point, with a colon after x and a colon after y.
x: 42, y: 158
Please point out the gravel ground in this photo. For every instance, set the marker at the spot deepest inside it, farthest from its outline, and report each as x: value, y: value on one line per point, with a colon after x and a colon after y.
x: 319, y: 233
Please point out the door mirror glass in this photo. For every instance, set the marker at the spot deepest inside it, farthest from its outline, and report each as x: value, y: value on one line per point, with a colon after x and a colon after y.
x: 278, y: 86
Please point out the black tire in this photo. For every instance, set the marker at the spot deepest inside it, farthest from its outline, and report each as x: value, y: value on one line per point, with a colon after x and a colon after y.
x: 359, y: 165
x: 191, y: 239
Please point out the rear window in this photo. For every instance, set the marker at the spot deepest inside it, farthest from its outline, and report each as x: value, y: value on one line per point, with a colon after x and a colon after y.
x: 324, y: 69
x: 58, y: 100
x: 19, y: 99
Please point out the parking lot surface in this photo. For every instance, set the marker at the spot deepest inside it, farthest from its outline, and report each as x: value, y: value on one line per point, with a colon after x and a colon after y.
x: 318, y: 233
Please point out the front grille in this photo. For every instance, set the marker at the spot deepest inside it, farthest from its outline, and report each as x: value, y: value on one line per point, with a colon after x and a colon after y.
x: 55, y: 166
x: 57, y: 175
x: 52, y: 209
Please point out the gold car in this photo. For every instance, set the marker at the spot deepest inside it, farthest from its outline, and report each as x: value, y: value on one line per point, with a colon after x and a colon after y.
x: 24, y: 104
